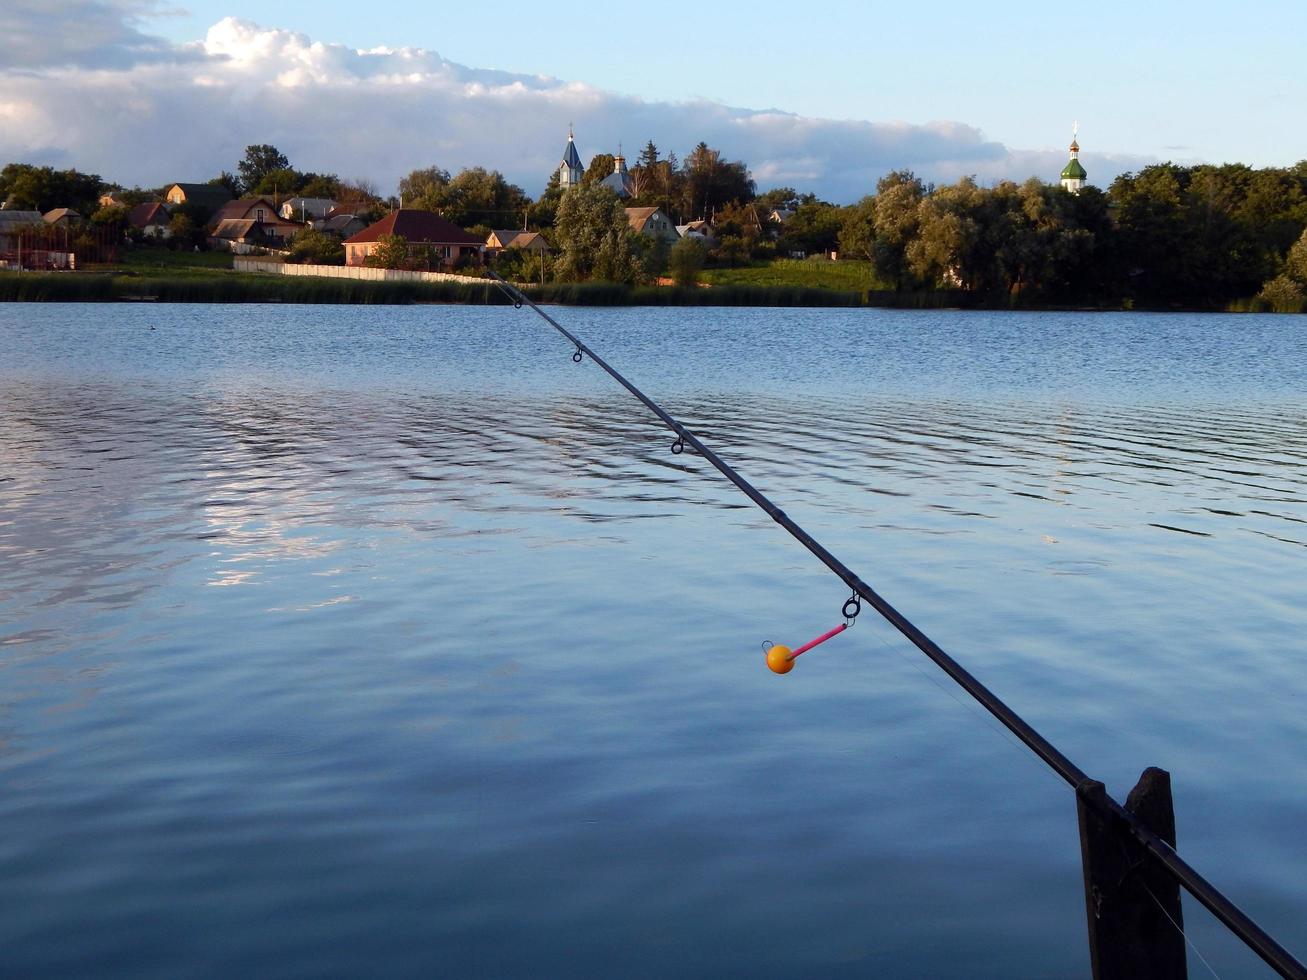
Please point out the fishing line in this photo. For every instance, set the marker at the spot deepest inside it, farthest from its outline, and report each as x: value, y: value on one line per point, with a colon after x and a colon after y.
x: 1183, y: 935
x: 1233, y: 917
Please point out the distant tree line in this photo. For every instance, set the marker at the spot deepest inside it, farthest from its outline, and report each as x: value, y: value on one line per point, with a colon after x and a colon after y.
x: 1169, y: 235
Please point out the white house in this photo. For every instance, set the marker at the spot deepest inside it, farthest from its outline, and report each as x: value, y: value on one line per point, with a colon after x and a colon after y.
x: 306, y: 209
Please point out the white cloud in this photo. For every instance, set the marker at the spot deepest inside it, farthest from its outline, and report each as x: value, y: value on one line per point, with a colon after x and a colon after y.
x: 137, y: 110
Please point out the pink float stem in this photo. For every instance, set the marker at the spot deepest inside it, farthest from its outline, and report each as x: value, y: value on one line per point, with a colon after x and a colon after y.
x: 821, y: 639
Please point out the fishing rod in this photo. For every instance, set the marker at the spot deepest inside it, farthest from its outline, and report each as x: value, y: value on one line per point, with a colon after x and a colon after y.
x: 1226, y: 911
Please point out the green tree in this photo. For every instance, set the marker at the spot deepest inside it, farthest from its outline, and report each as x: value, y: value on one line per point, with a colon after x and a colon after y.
x: 391, y: 253
x: 184, y: 232
x: 260, y: 160
x: 227, y: 180
x: 278, y: 184
x: 1283, y: 295
x: 595, y: 237
x: 523, y: 265
x: 947, y: 247
x: 711, y: 182
x: 601, y: 166
x: 655, y: 182
x: 545, y: 207
x: 319, y: 185
x: 316, y: 248
x: 30, y: 188
x: 778, y: 198
x: 813, y: 228
x: 742, y: 234
x: 858, y: 231
x: 426, y: 189
x: 897, y: 219
x: 686, y: 261
x: 477, y: 196
x: 1295, y: 263
x: 111, y: 222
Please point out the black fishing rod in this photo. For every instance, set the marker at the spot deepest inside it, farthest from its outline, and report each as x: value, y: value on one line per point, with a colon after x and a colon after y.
x: 1226, y: 911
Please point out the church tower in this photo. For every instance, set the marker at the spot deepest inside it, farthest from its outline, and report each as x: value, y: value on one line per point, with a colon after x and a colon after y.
x: 570, y: 170
x: 1073, y: 174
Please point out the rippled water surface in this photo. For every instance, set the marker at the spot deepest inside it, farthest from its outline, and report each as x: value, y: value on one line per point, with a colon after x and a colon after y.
x: 347, y: 641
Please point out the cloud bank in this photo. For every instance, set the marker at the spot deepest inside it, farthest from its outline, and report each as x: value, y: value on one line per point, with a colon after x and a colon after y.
x: 110, y: 99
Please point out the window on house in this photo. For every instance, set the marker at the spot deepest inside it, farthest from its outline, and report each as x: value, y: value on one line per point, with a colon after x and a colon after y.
x: 258, y: 214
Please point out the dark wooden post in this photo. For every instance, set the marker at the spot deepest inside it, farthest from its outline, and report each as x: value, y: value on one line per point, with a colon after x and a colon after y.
x: 1129, y: 934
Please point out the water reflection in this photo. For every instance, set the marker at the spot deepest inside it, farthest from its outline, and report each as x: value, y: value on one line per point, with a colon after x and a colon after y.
x: 430, y: 665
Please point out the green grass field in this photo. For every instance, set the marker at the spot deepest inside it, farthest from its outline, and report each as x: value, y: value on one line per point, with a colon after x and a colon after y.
x: 166, y: 262
x: 846, y: 276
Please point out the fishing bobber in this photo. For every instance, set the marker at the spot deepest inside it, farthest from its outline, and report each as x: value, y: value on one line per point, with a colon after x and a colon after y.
x: 781, y: 658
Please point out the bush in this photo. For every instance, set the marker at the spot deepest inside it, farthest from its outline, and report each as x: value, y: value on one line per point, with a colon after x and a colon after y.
x: 686, y: 261
x: 1282, y: 295
x: 316, y: 248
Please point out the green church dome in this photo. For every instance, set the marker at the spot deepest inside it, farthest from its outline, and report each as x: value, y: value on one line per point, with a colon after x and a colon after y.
x: 1073, y: 171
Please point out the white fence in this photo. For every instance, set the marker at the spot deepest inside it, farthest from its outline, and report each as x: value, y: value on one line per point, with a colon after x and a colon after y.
x: 343, y: 272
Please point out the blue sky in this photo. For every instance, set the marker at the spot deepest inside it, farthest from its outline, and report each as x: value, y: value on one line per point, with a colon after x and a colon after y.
x: 823, y: 97
x: 1195, y: 80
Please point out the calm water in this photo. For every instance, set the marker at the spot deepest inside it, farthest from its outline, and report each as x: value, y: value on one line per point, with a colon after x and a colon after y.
x: 345, y: 641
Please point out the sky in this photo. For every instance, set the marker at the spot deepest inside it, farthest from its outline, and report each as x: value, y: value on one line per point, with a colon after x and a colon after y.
x: 824, y: 97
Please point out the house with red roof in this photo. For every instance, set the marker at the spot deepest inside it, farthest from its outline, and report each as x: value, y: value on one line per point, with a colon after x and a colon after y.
x: 151, y: 219
x: 426, y: 232
x: 272, y: 229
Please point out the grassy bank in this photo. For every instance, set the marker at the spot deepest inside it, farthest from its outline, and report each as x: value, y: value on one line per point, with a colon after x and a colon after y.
x: 216, y: 286
x: 841, y: 276
x: 198, y: 284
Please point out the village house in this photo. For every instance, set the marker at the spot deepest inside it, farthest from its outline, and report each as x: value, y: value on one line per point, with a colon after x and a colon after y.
x: 151, y: 220
x: 13, y: 223
x: 699, y: 230
x: 528, y: 241
x: 344, y: 225
x: 652, y: 222
x: 424, y: 231
x: 208, y: 197
x: 271, y: 227
x: 243, y: 236
x: 307, y: 209
x: 62, y: 218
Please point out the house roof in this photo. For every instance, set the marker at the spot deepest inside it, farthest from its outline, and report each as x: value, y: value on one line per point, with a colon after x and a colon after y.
x: 234, y: 229
x: 240, y: 208
x: 619, y: 182
x: 339, y: 222
x: 639, y: 217
x: 11, y: 218
x: 699, y: 229
x: 58, y: 214
x: 571, y: 158
x: 206, y: 195
x: 152, y: 213
x: 1073, y: 171
x: 515, y: 238
x: 417, y: 227
x: 316, y: 206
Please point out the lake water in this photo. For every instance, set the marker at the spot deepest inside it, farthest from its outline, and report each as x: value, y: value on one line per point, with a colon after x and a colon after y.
x: 385, y: 641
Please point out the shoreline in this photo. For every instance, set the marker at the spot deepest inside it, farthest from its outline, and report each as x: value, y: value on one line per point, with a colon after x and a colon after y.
x: 96, y: 287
